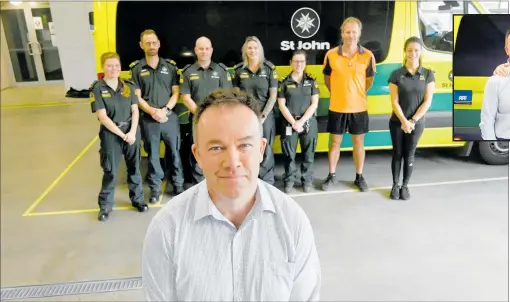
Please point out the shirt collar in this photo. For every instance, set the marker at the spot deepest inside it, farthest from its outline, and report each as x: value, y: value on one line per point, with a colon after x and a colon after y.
x: 205, y: 206
x: 144, y: 63
x: 420, y: 70
x: 361, y: 49
x: 200, y: 67
x: 119, y: 87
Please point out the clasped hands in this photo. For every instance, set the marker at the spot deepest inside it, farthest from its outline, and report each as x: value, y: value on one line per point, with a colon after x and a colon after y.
x: 408, y: 126
x: 160, y: 115
x: 130, y: 137
x: 298, y: 126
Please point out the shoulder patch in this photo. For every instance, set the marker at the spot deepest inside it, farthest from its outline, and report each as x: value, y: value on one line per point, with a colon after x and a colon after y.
x: 223, y: 66
x: 186, y: 67
x: 171, y: 62
x: 271, y: 65
x: 93, y: 83
x: 133, y: 64
x: 308, y: 75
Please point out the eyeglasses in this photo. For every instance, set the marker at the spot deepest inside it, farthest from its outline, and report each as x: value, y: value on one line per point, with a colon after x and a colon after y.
x: 298, y: 62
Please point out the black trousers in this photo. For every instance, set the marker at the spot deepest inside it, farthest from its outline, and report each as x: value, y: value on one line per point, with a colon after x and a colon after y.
x: 266, y: 172
x: 404, y: 148
x: 308, y: 143
x: 112, y: 148
x: 152, y: 134
x: 193, y: 172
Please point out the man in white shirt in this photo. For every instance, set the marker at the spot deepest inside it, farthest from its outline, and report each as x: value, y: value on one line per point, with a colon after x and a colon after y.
x: 495, y: 113
x: 232, y: 237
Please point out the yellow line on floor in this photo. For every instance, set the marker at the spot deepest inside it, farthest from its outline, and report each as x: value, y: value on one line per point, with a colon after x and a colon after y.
x: 57, y: 180
x: 156, y: 205
x: 41, y: 105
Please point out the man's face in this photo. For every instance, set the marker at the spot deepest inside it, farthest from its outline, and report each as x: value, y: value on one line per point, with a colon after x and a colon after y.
x: 150, y: 44
x: 507, y: 46
x: 350, y: 33
x: 229, y: 148
x: 203, y: 50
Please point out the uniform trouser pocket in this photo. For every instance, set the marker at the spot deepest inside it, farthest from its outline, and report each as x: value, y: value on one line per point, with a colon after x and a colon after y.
x: 109, y: 156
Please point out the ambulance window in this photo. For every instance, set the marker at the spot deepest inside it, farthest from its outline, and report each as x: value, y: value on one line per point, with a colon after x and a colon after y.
x: 227, y: 23
x: 480, y: 45
x: 436, y: 24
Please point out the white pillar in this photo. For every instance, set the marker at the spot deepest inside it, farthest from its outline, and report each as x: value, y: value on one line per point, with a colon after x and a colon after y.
x: 75, y: 42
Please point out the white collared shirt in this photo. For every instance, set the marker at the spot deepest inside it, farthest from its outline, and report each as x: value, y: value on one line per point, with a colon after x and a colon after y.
x: 193, y: 253
x: 495, y: 113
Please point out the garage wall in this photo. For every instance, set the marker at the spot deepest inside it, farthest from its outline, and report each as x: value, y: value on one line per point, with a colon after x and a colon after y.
x: 6, y: 75
x: 75, y: 43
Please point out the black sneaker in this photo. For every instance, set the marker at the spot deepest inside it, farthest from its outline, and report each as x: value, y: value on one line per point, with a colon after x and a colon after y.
x: 404, y: 193
x: 395, y: 192
x: 330, y: 180
x: 178, y: 190
x: 361, y: 184
x: 307, y: 187
x: 103, y: 215
x: 288, y: 188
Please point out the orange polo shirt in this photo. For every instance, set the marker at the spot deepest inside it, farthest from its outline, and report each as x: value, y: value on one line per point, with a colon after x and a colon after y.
x: 348, y: 79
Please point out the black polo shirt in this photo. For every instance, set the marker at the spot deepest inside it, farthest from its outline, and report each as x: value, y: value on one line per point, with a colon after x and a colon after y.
x: 155, y: 84
x: 298, y: 96
x: 117, y: 105
x: 256, y: 84
x: 411, y: 89
x: 201, y: 82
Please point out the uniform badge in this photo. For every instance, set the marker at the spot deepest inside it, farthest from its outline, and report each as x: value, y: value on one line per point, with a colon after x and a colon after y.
x: 215, y: 75
x: 275, y: 75
x: 422, y: 78
x: 228, y: 77
x: 181, y: 80
x: 263, y: 74
x: 105, y: 94
x: 307, y: 83
x: 164, y: 70
x: 92, y: 98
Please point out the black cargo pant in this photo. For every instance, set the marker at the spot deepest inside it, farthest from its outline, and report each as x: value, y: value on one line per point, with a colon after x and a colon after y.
x: 194, y: 173
x: 152, y: 134
x: 111, y: 150
x: 308, y: 143
x: 266, y: 172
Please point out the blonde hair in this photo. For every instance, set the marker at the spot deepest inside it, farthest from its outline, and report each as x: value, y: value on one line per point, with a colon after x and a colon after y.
x: 245, y: 47
x: 147, y: 32
x: 126, y: 91
x: 353, y: 20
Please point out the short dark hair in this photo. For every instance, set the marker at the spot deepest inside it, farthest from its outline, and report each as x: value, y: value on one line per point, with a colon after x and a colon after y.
x: 220, y: 98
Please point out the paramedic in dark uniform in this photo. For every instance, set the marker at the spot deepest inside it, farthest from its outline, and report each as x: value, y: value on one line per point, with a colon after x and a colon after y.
x: 198, y: 81
x: 298, y: 98
x: 115, y: 104
x: 411, y: 93
x: 258, y: 78
x: 158, y: 91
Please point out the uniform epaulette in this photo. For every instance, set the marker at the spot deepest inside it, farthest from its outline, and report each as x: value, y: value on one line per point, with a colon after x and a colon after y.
x: 186, y: 67
x: 129, y: 81
x: 271, y: 65
x: 223, y: 66
x: 309, y: 76
x: 171, y: 62
x: 239, y: 65
x: 133, y: 64
x: 93, y: 83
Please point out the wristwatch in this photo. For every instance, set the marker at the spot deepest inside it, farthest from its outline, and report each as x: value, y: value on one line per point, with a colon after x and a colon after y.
x: 168, y: 108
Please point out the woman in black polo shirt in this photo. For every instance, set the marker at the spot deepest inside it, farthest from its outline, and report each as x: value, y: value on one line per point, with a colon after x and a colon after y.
x: 115, y: 104
x: 298, y: 99
x: 411, y: 91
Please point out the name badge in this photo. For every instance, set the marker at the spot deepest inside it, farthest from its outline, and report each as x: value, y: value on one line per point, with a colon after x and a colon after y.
x: 244, y: 76
x: 291, y: 86
x: 194, y: 77
x: 145, y: 73
x: 105, y: 94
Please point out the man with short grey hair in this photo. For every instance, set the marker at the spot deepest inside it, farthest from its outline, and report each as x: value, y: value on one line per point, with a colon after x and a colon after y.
x: 232, y: 237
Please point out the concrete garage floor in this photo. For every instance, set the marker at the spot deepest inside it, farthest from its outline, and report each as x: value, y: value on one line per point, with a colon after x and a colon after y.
x: 449, y: 242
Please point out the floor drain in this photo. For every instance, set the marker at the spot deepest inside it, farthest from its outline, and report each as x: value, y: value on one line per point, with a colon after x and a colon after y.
x: 74, y: 288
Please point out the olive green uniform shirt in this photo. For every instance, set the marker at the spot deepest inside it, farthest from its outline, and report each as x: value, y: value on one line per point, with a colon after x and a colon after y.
x: 155, y: 84
x: 118, y: 106
x: 298, y: 96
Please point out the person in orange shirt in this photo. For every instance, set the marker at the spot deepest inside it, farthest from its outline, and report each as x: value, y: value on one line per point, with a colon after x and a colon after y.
x: 349, y: 71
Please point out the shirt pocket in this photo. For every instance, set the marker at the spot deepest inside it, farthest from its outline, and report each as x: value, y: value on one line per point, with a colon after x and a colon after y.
x: 278, y: 277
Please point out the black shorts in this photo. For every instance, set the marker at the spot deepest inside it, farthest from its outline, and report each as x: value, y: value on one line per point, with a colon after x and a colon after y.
x: 354, y: 123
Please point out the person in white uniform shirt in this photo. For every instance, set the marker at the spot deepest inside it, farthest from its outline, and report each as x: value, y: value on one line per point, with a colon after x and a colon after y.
x: 231, y: 237
x: 495, y: 113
